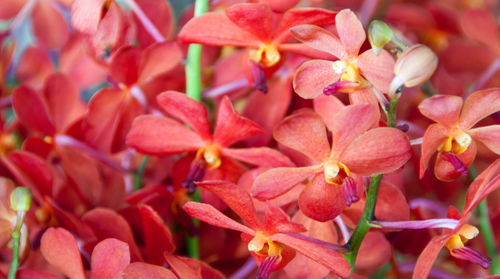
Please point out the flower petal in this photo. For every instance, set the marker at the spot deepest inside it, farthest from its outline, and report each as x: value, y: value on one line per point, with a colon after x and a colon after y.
x: 33, y: 67
x: 157, y: 237
x: 350, y: 30
x: 305, y: 132
x: 161, y: 15
x: 446, y: 170
x: 349, y: 123
x: 380, y: 150
x: 488, y: 135
x: 59, y: 248
x: 317, y: 252
x: 161, y: 136
x: 479, y: 105
x: 32, y: 111
x: 124, y: 67
x: 319, y: 38
x: 374, y: 251
x: 186, y: 110
x: 159, y: 58
x: 181, y: 268
x: 236, y: 198
x: 232, y: 127
x: 485, y: 183
x: 328, y: 107
x: 377, y: 69
x: 259, y: 156
x: 255, y: 18
x: 216, y: 29
x: 434, y: 136
x: 321, y: 201
x: 139, y: 270
x: 109, y: 259
x: 312, y: 77
x: 277, y: 220
x: 209, y: 214
x: 294, y: 17
x: 84, y: 17
x: 481, y: 26
x: 277, y: 181
x: 444, y: 109
x: 427, y: 258
x: 49, y: 25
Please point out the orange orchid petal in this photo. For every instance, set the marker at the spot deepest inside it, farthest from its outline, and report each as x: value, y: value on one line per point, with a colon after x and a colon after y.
x: 32, y: 111
x: 305, y: 132
x: 232, y: 127
x: 484, y: 184
x: 109, y: 258
x: 210, y: 215
x: 349, y: 123
x: 320, y: 39
x: 317, y: 252
x: 427, y: 257
x: 161, y: 136
x: 444, y: 109
x: 321, y: 201
x: 59, y: 248
x: 481, y: 26
x: 377, y: 69
x: 277, y: 181
x: 259, y: 156
x: 186, y: 110
x: 255, y: 18
x: 350, y: 30
x: 434, y: 136
x: 363, y: 96
x: 236, y: 198
x: 312, y: 77
x: 216, y: 29
x: 479, y: 105
x: 277, y: 220
x: 294, y: 17
x: 380, y: 150
x: 328, y: 107
x: 488, y: 135
x: 139, y: 270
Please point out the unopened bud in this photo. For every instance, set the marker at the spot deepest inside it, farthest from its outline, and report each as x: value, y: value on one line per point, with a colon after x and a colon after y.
x: 20, y: 199
x: 379, y: 34
x: 414, y: 66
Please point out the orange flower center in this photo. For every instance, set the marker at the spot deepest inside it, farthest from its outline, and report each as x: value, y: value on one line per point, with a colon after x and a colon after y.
x: 7, y: 143
x: 456, y: 144
x: 266, y: 55
x: 263, y: 246
x: 211, y: 155
x: 465, y: 233
x: 335, y: 173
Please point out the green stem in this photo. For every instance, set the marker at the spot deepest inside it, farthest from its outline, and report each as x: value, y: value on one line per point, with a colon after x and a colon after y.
x: 140, y: 173
x: 193, y: 90
x: 368, y: 215
x: 15, y: 249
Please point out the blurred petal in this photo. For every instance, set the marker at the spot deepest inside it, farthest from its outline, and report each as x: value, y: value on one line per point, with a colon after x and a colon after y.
x: 161, y: 136
x: 374, y: 251
x: 140, y: 270
x: 434, y: 136
x: 158, y: 59
x: 479, y: 105
x: 321, y: 201
x: 377, y: 69
x: 255, y: 18
x: 32, y: 111
x: 305, y: 132
x: 157, y: 237
x: 427, y: 258
x: 481, y: 26
x: 294, y: 17
x: 49, y: 26
x: 444, y: 109
x: 350, y: 30
x: 161, y: 15
x: 34, y: 67
x: 320, y: 39
x: 312, y: 77
x: 281, y: 6
x: 259, y: 156
x: 484, y: 184
x: 236, y: 198
x: 181, y: 268
x: 59, y: 248
x: 209, y: 214
x: 84, y: 17
x: 277, y: 181
x: 232, y: 127
x: 186, y: 110
x: 124, y: 67
x: 488, y: 135
x: 216, y: 29
x: 109, y: 259
x: 380, y: 150
x: 349, y: 123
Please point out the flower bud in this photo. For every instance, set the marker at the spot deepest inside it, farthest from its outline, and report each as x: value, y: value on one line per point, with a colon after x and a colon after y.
x: 379, y: 34
x: 20, y: 199
x: 414, y: 66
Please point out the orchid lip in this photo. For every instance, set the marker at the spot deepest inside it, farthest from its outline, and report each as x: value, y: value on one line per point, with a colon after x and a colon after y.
x: 343, y: 86
x: 196, y: 173
x: 349, y: 191
x: 471, y: 255
x: 269, y: 265
x: 455, y: 162
x: 259, y: 77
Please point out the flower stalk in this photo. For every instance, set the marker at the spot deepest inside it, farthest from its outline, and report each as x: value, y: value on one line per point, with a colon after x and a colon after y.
x: 20, y: 201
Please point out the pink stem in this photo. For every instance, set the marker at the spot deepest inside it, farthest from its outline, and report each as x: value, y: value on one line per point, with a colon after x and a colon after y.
x: 226, y: 88
x: 343, y: 228
x: 416, y: 225
x: 128, y: 178
x: 146, y: 22
x: 244, y: 270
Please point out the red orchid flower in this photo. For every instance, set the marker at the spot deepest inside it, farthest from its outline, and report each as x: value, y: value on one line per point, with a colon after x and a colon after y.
x: 158, y: 135
x: 453, y: 136
x: 454, y: 239
x: 273, y: 243
x: 356, y: 151
x: 256, y: 26
x: 353, y: 73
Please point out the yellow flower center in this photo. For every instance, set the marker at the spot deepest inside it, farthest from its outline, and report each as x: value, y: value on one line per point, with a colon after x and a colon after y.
x: 465, y: 233
x: 211, y: 155
x: 456, y: 144
x: 263, y: 246
x: 266, y: 55
x: 336, y: 172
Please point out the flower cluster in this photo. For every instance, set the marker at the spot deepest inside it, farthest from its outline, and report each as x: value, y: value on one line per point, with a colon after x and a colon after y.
x: 261, y: 139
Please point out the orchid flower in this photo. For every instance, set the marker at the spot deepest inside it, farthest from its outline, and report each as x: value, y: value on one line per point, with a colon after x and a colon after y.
x: 355, y: 151
x: 353, y: 73
x: 273, y: 242
x: 453, y: 136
